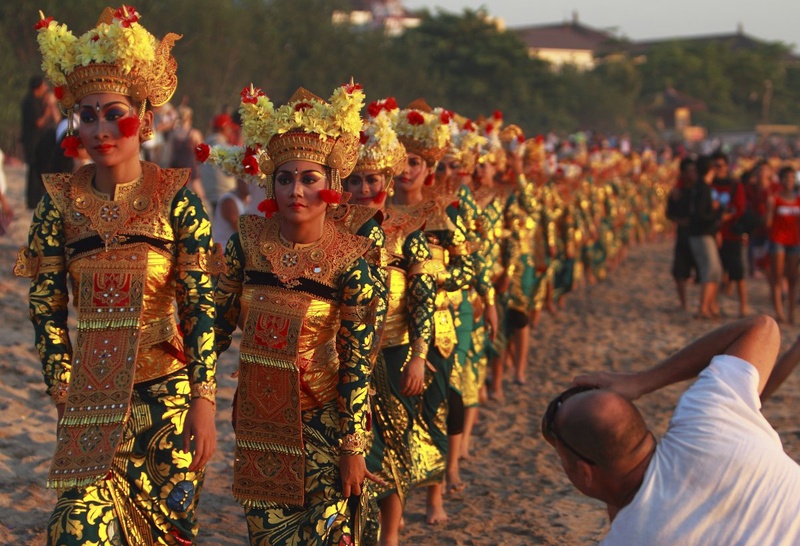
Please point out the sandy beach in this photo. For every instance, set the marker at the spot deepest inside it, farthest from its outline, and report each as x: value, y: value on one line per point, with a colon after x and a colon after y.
x: 516, y: 493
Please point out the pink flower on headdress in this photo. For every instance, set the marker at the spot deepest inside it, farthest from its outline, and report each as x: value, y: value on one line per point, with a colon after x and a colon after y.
x: 44, y: 22
x: 301, y: 106
x: 201, y: 152
x: 250, y: 94
x: 351, y: 87
x: 415, y: 118
x: 126, y: 15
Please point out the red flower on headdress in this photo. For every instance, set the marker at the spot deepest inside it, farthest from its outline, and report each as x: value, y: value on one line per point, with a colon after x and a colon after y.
x: 268, y: 207
x: 127, y: 15
x: 301, y: 106
x: 415, y: 118
x: 331, y: 197
x: 520, y: 138
x: 95, y: 37
x: 44, y: 22
x: 488, y: 128
x: 350, y: 87
x: 362, y: 137
x: 58, y: 91
x: 201, y: 152
x: 469, y: 126
x: 128, y: 126
x: 445, y: 117
x: 498, y: 115
x: 250, y: 164
x: 390, y: 104
x: 539, y: 139
x: 70, y: 145
x: 250, y: 94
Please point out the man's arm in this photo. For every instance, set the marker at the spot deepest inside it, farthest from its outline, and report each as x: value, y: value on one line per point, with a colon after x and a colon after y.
x: 783, y: 368
x: 754, y: 339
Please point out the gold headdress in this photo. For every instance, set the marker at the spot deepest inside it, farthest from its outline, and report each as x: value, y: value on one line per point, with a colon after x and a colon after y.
x: 380, y: 148
x: 306, y: 128
x: 422, y: 132
x: 511, y: 138
x: 492, y: 149
x: 533, y: 150
x: 117, y: 56
x: 466, y: 143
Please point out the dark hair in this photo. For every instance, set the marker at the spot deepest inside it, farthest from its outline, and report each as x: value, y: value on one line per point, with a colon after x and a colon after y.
x: 719, y: 155
x: 784, y: 170
x: 686, y: 162
x: 35, y: 82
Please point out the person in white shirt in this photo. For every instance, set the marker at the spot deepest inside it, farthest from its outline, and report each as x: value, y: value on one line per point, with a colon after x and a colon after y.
x: 718, y: 476
x: 231, y: 205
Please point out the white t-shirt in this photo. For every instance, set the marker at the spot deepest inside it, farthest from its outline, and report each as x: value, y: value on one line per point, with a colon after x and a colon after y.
x: 221, y: 230
x: 719, y: 476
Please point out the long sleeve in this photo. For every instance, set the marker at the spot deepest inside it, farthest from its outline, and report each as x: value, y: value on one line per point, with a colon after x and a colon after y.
x: 49, y: 298
x: 421, y: 292
x: 353, y: 344
x: 227, y: 296
x: 195, y: 290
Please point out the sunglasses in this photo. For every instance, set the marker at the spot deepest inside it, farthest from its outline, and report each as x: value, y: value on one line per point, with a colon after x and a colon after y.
x: 549, y: 430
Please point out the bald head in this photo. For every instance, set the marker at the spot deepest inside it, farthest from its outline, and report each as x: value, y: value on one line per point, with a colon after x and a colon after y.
x: 604, y: 426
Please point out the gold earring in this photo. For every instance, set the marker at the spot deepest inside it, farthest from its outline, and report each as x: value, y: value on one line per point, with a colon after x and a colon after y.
x: 146, y: 133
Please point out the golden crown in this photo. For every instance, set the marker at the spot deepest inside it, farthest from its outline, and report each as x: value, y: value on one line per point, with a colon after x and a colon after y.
x: 466, y: 143
x: 380, y: 148
x: 117, y: 56
x: 306, y: 128
x: 422, y: 132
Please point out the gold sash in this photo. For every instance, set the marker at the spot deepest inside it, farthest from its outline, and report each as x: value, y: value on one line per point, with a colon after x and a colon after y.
x: 269, y: 459
x: 110, y: 297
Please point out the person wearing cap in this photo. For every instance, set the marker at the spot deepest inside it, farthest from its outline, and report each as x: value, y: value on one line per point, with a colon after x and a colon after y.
x: 136, y: 393
x: 718, y: 476
x: 214, y: 180
x: 301, y: 290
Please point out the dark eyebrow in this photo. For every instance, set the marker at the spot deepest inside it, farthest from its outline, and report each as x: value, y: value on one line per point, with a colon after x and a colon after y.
x: 106, y: 105
x: 302, y: 172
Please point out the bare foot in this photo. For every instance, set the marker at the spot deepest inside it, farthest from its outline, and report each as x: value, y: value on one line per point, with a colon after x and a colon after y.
x: 434, y: 515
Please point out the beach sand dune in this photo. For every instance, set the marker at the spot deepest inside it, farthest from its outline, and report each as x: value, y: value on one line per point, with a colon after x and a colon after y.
x: 516, y: 493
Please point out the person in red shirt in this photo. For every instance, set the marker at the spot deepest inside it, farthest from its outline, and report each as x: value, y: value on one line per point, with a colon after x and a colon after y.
x: 733, y: 202
x: 783, y: 221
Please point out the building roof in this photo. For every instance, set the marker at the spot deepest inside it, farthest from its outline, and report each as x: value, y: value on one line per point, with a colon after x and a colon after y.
x: 566, y: 35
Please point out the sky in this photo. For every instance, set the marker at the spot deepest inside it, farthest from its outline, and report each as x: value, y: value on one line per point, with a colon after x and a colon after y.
x: 768, y: 20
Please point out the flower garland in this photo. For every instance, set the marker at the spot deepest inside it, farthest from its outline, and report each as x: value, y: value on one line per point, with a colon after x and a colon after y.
x: 428, y: 129
x: 123, y: 42
x: 261, y: 120
x: 235, y: 161
x: 379, y: 143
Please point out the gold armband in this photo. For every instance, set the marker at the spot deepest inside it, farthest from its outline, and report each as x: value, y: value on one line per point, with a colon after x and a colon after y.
x: 428, y: 267
x: 27, y: 265
x: 356, y: 313
x: 207, y: 390
x: 211, y: 261
x: 353, y: 444
x: 59, y: 392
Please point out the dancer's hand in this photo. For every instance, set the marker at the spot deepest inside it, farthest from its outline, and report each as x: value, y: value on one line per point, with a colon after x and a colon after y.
x: 199, y: 426
x: 412, y: 382
x: 353, y: 469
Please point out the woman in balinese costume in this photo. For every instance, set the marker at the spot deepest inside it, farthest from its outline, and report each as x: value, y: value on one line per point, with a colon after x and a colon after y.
x: 135, y: 396
x: 398, y: 377
x: 426, y: 136
x: 301, y: 291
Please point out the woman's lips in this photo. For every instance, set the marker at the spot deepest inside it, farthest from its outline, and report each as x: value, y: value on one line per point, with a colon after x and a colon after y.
x: 104, y: 148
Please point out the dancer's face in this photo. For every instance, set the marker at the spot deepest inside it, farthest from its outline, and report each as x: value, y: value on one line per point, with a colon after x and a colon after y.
x: 297, y: 187
x: 99, y: 130
x: 366, y: 186
x: 413, y: 176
